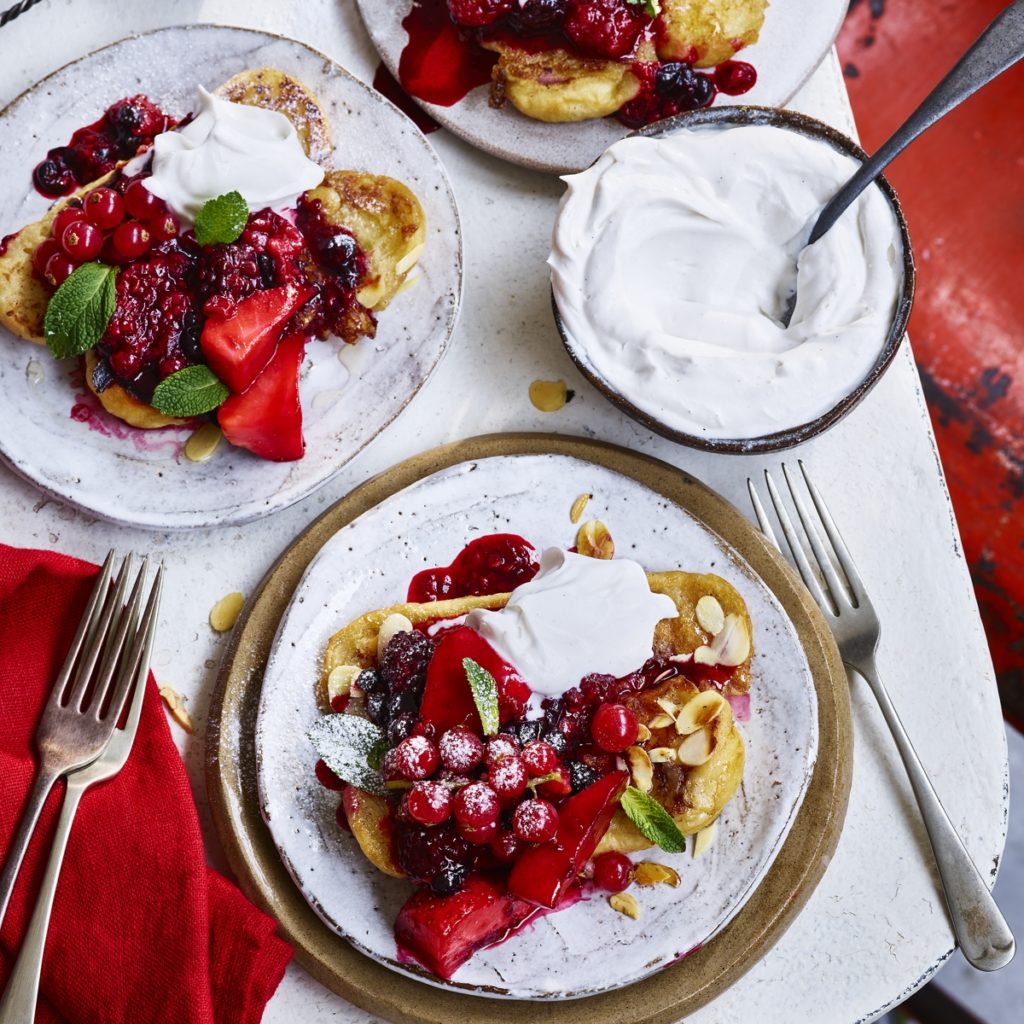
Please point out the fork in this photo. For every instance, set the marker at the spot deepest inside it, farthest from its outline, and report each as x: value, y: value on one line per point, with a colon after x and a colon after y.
x: 980, y: 929
x: 83, y: 708
x: 18, y: 1005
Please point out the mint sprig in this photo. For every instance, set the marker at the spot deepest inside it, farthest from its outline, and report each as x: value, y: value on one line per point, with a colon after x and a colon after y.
x: 652, y: 820
x: 78, y: 314
x: 485, y: 695
x: 189, y: 392
x: 652, y: 7
x: 351, y: 747
x: 222, y: 219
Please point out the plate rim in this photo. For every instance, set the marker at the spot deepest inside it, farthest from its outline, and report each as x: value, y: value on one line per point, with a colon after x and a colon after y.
x: 191, y: 520
x: 483, y: 144
x: 664, y: 997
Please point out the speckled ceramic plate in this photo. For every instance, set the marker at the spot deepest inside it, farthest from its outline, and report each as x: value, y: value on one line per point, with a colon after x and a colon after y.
x: 670, y: 994
x: 589, y: 948
x: 56, y: 434
x: 794, y: 40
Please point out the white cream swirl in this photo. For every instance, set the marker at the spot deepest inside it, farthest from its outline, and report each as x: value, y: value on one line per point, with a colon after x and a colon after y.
x: 231, y: 147
x: 666, y: 264
x: 578, y: 615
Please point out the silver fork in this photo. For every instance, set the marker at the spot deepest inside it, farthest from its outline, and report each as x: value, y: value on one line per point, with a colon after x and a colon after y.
x: 18, y: 1005
x: 79, y: 716
x: 981, y: 930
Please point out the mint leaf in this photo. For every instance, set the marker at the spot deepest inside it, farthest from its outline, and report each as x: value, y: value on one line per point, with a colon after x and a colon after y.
x: 485, y: 695
x: 652, y: 7
x: 347, y: 743
x: 652, y: 820
x: 78, y: 314
x: 222, y: 219
x: 189, y: 392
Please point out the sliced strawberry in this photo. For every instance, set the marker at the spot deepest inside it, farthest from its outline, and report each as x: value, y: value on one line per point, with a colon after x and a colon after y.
x: 447, y: 698
x: 239, y: 347
x: 267, y: 418
x: 542, y: 874
x: 443, y: 932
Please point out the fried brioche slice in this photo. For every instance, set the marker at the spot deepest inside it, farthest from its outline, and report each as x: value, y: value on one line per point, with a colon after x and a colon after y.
x: 274, y: 90
x: 23, y: 297
x: 707, y: 32
x: 557, y: 86
x: 388, y: 222
x: 125, y: 406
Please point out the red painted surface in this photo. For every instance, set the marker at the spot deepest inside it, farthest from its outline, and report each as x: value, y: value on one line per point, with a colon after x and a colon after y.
x: 962, y: 186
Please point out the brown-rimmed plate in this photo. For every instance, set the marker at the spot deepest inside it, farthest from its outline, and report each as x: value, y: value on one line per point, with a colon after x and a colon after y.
x: 672, y: 992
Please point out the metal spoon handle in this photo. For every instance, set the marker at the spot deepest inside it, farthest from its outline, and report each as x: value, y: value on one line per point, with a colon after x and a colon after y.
x: 999, y: 47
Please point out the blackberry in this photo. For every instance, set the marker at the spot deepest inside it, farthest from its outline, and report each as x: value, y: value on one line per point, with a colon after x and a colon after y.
x: 581, y: 775
x: 369, y: 681
x: 405, y: 661
x: 426, y: 853
x: 400, y: 727
x: 377, y: 708
x: 449, y: 879
x: 536, y: 17
x: 681, y: 85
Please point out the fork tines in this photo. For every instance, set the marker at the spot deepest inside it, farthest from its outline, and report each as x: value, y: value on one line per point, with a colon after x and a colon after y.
x: 833, y: 581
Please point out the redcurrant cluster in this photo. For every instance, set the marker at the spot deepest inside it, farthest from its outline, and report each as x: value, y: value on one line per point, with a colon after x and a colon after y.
x: 105, y: 224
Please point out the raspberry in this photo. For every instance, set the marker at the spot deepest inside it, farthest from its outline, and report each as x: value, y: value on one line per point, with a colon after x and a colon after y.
x: 229, y: 272
x: 613, y: 871
x: 460, y: 750
x: 614, y: 728
x: 156, y: 323
x: 429, y: 803
x: 416, y: 758
x: 604, y: 28
x: 535, y: 821
x: 478, y: 13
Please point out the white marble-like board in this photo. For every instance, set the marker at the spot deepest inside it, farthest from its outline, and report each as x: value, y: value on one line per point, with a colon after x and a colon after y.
x: 795, y: 37
x: 71, y: 448
x: 589, y: 947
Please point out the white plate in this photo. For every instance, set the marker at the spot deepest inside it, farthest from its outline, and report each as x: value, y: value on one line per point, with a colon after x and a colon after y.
x: 57, y: 436
x: 794, y: 40
x: 588, y: 948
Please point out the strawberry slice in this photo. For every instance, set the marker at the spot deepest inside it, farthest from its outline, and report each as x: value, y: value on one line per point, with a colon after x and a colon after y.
x: 542, y: 874
x: 267, y: 418
x: 443, y: 932
x: 239, y: 347
x: 447, y: 698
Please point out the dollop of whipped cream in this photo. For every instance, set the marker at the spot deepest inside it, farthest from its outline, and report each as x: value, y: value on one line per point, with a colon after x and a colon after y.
x: 578, y: 615
x: 667, y: 260
x: 231, y: 147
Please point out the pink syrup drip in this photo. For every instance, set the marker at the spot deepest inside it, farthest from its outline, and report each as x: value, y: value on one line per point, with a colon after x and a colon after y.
x: 89, y: 410
x: 740, y: 704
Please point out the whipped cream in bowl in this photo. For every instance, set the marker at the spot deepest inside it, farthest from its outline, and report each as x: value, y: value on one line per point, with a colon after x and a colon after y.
x: 669, y: 257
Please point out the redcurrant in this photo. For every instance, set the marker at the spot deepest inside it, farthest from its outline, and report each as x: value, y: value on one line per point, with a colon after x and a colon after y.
x: 613, y: 871
x: 416, y: 758
x: 614, y: 728
x: 327, y: 778
x: 460, y: 749
x: 429, y: 803
x: 540, y: 758
x: 104, y: 208
x: 82, y: 241
x: 535, y: 821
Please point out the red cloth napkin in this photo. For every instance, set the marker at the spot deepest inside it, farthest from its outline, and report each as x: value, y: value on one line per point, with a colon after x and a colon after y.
x: 143, y: 932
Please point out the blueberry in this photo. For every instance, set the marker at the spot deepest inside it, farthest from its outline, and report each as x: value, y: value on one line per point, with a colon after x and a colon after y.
x: 680, y: 84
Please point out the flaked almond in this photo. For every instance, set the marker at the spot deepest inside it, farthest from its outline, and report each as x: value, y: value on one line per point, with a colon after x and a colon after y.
x: 695, y: 749
x: 662, y: 755
x: 339, y: 682
x: 594, y: 540
x: 176, y: 705
x: 202, y: 443
x: 732, y: 644
x: 647, y: 872
x: 699, y: 712
x: 640, y: 768
x: 576, y: 512
x: 704, y: 838
x: 667, y: 706
x: 710, y: 616
x: 642, y: 733
x: 661, y: 721
x: 409, y: 260
x: 224, y: 614
x: 625, y: 903
x: 548, y: 395
x: 396, y: 622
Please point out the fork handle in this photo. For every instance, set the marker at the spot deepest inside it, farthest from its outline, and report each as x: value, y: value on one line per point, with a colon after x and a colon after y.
x: 46, y: 776
x: 18, y: 1005
x: 981, y: 930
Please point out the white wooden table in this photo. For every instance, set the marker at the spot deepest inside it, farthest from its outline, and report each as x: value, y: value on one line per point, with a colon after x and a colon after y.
x: 876, y: 928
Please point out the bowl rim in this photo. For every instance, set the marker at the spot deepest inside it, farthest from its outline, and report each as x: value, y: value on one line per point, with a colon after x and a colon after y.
x: 803, y: 124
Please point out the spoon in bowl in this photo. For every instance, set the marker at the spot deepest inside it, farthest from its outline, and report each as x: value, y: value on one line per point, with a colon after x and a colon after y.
x: 998, y: 48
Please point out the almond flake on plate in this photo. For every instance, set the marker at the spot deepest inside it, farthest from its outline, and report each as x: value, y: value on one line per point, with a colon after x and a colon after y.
x: 224, y: 614
x: 625, y: 903
x: 176, y: 705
